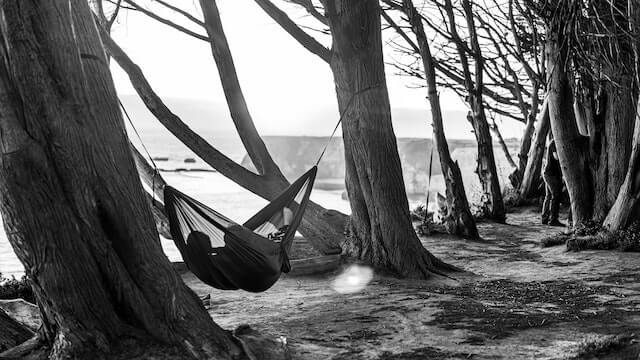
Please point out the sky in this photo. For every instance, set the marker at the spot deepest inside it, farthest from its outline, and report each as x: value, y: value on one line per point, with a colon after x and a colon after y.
x: 283, y: 83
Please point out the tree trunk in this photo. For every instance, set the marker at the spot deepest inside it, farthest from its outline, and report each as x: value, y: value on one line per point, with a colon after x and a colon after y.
x: 503, y: 145
x: 240, y: 115
x: 72, y: 203
x: 458, y: 220
x: 626, y: 207
x: 321, y: 227
x: 619, y: 124
x: 571, y: 146
x: 382, y: 232
x: 526, y: 141
x: 486, y: 168
x: 531, y: 177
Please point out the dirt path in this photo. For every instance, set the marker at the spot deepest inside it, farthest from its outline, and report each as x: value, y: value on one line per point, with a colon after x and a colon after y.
x: 519, y: 301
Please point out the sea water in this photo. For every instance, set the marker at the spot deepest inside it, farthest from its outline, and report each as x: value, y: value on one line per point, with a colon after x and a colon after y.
x: 197, y: 179
x: 188, y: 173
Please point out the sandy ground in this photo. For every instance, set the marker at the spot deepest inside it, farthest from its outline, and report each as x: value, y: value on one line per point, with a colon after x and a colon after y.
x: 516, y: 301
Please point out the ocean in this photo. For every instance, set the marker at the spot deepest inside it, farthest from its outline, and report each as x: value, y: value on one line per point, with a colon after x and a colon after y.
x: 209, y: 187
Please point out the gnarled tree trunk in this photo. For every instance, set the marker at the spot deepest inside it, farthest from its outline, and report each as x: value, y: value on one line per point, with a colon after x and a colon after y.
x: 571, y: 146
x: 458, y: 220
x: 626, y: 208
x: 72, y: 203
x: 382, y: 232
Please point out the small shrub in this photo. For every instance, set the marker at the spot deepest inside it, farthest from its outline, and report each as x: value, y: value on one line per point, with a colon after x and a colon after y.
x: 13, y: 288
x: 603, y: 346
x: 555, y: 240
x: 511, y: 197
x: 592, y: 236
x: 419, y: 213
x: 588, y: 228
x: 629, y: 239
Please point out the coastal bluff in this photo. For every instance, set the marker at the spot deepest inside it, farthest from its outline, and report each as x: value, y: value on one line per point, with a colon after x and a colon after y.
x: 296, y: 154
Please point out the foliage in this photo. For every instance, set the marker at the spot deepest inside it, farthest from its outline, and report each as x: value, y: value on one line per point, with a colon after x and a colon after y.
x: 13, y: 288
x: 555, y: 240
x: 604, y: 345
x: 592, y: 236
x: 587, y: 228
x: 419, y: 212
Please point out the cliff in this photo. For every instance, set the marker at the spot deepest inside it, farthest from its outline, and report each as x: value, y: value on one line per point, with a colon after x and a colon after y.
x: 296, y: 154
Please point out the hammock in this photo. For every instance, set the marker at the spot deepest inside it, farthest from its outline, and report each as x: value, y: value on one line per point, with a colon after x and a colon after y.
x: 229, y: 256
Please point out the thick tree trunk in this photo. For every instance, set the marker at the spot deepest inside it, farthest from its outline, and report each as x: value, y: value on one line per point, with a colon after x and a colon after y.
x: 611, y: 141
x: 321, y: 227
x: 619, y: 124
x: 626, y: 208
x: 458, y: 220
x: 531, y: 176
x: 382, y: 232
x: 571, y: 146
x: 72, y: 203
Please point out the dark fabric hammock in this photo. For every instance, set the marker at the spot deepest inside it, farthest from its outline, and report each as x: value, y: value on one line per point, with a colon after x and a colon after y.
x: 230, y: 256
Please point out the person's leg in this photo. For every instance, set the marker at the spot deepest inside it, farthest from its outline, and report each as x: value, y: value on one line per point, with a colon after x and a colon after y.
x: 546, y: 205
x: 556, y: 195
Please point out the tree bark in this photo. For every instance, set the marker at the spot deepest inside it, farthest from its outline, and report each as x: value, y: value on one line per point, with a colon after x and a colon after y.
x: 531, y: 177
x: 321, y: 227
x: 458, y: 220
x: 571, y: 146
x: 619, y: 124
x: 527, y: 135
x: 626, y: 208
x: 73, y: 206
x: 382, y: 232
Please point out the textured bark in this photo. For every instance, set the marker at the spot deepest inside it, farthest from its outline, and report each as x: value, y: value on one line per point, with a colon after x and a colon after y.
x: 531, y: 177
x: 73, y: 206
x: 571, y: 146
x: 321, y: 227
x: 620, y: 119
x: 626, y: 208
x: 458, y: 220
x: 382, y: 232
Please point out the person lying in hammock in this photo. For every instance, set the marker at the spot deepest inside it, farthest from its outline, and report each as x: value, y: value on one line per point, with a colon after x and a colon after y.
x: 278, y: 235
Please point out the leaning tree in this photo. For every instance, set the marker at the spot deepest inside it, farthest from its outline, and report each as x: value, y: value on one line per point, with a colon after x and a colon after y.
x: 381, y: 230
x: 323, y: 228
x: 458, y: 219
x: 73, y: 206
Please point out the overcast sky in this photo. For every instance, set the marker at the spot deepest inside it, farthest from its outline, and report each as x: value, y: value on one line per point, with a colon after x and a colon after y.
x: 278, y: 76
